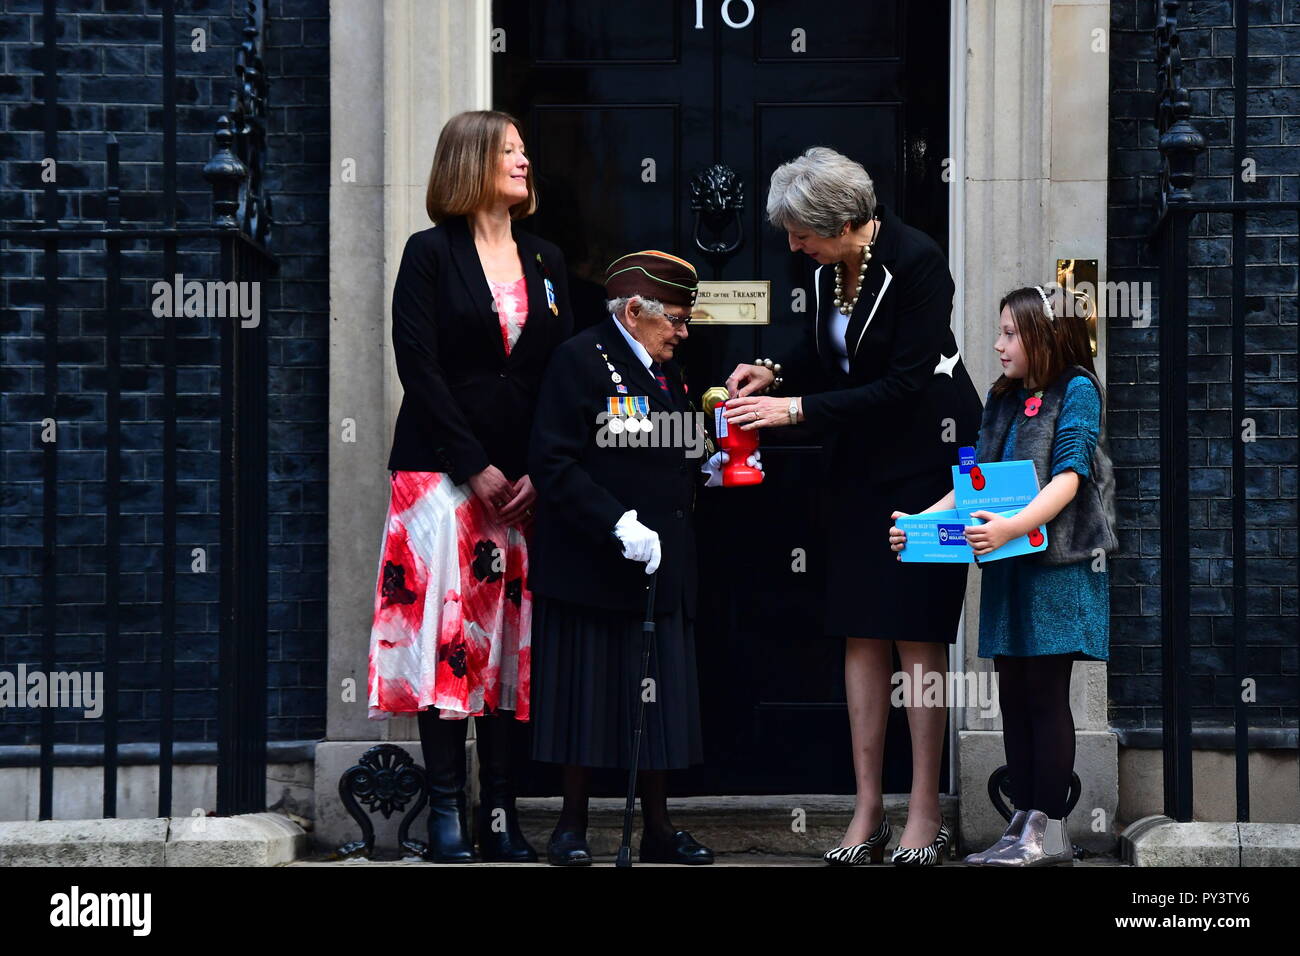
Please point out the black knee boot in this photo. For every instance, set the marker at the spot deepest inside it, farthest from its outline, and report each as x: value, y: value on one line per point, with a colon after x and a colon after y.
x: 500, y: 839
x: 443, y: 745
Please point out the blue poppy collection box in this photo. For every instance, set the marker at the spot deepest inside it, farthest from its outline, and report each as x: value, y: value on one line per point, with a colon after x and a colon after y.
x: 1003, y: 487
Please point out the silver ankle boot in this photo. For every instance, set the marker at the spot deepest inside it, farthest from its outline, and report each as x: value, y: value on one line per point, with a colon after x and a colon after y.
x: 1009, y: 836
x: 1042, y: 842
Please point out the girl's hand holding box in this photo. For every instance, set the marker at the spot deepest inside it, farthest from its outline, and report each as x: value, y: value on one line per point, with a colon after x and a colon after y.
x: 992, y: 534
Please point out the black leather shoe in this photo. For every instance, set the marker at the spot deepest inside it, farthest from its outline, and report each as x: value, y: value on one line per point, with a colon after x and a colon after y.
x: 568, y: 849
x: 681, y: 847
x: 500, y: 840
x: 443, y: 745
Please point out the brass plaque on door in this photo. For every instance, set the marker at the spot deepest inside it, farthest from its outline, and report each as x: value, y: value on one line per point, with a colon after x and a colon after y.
x: 739, y: 302
x: 1078, y: 277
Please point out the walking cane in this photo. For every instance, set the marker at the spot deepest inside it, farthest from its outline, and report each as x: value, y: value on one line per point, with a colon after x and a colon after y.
x: 647, y: 641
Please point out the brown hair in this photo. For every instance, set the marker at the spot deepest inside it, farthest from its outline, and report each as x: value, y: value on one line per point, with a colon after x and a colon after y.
x: 466, y: 163
x: 1038, y: 336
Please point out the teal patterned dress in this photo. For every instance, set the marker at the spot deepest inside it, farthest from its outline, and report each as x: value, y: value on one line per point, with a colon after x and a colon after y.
x: 1029, y: 609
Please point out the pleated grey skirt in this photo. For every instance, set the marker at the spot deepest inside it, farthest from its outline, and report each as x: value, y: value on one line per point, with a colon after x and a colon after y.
x: 585, y: 676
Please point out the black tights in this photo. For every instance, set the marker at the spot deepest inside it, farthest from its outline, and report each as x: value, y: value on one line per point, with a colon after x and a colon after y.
x: 650, y: 786
x: 1037, y: 729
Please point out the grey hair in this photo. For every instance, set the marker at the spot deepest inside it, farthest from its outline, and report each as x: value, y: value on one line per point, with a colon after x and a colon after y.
x: 616, y: 306
x: 821, y: 190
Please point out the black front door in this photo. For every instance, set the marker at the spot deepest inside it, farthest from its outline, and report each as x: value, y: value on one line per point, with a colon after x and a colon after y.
x: 624, y: 103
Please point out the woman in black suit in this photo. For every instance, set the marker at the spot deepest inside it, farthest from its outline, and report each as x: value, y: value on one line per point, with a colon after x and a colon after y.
x: 478, y: 307
x: 897, y: 404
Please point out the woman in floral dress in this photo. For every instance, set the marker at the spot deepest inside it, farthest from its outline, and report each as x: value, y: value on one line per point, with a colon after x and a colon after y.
x: 478, y: 306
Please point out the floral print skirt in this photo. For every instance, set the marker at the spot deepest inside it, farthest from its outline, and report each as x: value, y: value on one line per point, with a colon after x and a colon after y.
x: 452, y: 613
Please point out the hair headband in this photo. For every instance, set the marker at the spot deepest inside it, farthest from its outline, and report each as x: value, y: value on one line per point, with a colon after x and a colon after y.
x: 1047, y: 306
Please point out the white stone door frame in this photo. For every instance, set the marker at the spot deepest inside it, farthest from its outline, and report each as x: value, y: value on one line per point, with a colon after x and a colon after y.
x: 399, y: 69
x: 1034, y: 103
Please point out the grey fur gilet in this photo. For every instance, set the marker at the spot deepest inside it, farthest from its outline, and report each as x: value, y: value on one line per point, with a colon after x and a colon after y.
x: 1087, y: 523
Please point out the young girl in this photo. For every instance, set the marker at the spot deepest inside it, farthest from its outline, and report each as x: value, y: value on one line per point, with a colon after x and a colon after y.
x: 1040, y: 613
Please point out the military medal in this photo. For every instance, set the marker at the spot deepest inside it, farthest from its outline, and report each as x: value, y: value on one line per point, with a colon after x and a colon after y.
x: 550, y: 289
x: 624, y: 413
x: 641, y: 411
x: 613, y: 375
x: 628, y: 412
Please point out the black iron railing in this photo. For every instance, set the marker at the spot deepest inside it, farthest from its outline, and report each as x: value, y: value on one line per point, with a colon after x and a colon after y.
x: 240, y: 227
x: 1180, y: 144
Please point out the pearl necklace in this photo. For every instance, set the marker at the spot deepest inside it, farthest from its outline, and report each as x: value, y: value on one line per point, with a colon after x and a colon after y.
x: 847, y: 307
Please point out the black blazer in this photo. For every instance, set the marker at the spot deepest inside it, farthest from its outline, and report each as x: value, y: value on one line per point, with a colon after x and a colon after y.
x: 885, y: 418
x: 465, y: 404
x: 583, y: 488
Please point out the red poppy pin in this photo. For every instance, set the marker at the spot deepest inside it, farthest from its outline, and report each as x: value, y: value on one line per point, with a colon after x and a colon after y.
x: 1032, y: 404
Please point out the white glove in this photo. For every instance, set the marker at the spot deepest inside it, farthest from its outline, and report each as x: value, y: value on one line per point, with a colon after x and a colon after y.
x: 713, y: 467
x: 639, y: 542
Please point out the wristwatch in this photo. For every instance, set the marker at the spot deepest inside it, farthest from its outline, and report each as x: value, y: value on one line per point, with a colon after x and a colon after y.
x: 794, y: 411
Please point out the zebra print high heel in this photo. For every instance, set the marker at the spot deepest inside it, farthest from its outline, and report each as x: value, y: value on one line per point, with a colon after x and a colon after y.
x: 931, y: 855
x: 873, y: 850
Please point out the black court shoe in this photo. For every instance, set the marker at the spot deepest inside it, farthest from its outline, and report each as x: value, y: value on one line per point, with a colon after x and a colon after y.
x: 681, y: 847
x: 568, y: 848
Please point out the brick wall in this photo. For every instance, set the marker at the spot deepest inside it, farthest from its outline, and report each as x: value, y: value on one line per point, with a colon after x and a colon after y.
x: 110, y: 65
x: 1208, y: 39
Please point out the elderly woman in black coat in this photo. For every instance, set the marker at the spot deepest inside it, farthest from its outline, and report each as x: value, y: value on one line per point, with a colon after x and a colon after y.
x: 611, y: 511
x: 895, y: 404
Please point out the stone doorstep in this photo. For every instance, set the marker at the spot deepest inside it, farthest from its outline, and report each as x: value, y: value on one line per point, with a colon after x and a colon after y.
x: 249, y: 839
x: 764, y: 825
x: 721, y: 861
x: 1159, y: 841
x: 741, y: 830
